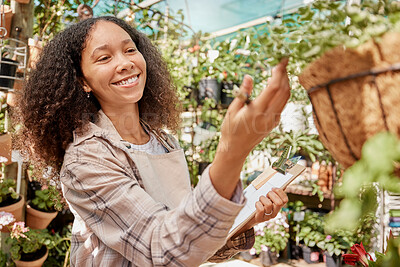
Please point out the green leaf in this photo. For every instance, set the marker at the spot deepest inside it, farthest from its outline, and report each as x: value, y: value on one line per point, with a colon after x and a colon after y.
x: 313, y: 51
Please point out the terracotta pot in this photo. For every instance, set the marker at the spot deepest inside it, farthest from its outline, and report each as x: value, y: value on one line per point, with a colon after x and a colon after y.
x: 37, y: 219
x: 35, y: 263
x: 5, y: 146
x: 23, y: 1
x: 15, y: 209
x: 7, y: 19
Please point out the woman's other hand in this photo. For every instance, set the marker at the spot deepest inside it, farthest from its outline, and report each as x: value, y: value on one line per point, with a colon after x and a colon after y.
x: 269, y: 206
x: 266, y: 208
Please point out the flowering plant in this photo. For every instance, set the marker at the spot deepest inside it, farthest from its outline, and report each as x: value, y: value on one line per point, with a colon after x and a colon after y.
x: 271, y: 235
x: 390, y: 258
x: 23, y: 240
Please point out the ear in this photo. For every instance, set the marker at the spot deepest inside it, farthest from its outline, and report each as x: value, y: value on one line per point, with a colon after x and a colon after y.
x: 85, y: 85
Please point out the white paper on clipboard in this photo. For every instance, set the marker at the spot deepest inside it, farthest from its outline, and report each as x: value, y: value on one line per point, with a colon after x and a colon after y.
x: 260, y: 187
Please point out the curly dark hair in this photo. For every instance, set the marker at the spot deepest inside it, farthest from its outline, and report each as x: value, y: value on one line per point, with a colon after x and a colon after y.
x: 53, y: 102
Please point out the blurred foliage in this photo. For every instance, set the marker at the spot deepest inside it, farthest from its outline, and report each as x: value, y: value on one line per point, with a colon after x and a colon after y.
x: 378, y: 169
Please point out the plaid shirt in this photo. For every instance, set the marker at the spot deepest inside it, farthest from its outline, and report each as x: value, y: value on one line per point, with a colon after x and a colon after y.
x: 118, y: 224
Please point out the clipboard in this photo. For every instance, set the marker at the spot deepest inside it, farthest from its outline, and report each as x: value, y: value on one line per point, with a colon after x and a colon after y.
x: 276, y: 176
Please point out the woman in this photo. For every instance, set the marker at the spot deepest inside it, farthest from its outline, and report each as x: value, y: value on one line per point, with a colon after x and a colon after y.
x: 93, y: 110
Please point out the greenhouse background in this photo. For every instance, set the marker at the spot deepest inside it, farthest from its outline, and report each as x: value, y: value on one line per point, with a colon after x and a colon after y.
x: 340, y: 126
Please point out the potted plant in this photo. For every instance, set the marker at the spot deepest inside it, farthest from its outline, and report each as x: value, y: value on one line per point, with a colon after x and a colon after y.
x: 310, y: 231
x: 27, y: 247
x: 271, y: 238
x: 43, y: 208
x: 10, y: 201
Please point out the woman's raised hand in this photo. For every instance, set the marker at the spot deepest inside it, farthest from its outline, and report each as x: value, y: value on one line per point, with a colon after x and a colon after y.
x: 245, y: 125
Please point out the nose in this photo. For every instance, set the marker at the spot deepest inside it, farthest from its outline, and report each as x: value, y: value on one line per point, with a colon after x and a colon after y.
x: 124, y: 63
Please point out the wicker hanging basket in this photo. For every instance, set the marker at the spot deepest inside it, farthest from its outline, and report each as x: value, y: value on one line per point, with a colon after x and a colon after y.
x: 355, y: 94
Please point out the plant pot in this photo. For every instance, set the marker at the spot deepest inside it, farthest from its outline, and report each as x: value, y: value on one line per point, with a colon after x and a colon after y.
x: 268, y: 258
x: 209, y: 88
x: 8, y: 68
x: 246, y: 255
x: 15, y: 209
x: 310, y: 255
x: 37, y: 219
x: 355, y: 94
x: 5, y: 146
x: 7, y: 19
x: 332, y: 261
x: 226, y: 93
x: 33, y: 263
x: 23, y: 1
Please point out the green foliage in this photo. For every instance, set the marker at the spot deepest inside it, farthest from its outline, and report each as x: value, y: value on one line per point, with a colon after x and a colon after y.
x: 314, y: 233
x: 391, y: 258
x: 52, y: 16
x: 375, y: 169
x: 7, y: 190
x: 323, y: 25
x: 60, y: 246
x: 35, y: 239
x: 48, y: 199
x: 311, y: 229
x: 208, y: 148
x: 3, y: 107
x: 4, y: 259
x: 302, y: 143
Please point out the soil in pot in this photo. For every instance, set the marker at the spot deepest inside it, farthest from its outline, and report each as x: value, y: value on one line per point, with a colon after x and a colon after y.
x: 9, y: 201
x: 34, y: 255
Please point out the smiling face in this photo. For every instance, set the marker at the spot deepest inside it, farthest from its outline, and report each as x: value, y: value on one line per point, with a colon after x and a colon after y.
x: 113, y: 68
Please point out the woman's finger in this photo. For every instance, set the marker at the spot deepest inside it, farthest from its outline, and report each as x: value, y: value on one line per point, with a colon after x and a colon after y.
x: 246, y: 87
x: 275, y: 199
x: 259, y: 217
x: 281, y: 194
x: 276, y: 85
x: 268, y: 205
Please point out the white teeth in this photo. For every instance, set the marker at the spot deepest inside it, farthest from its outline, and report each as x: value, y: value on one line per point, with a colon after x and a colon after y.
x: 128, y: 81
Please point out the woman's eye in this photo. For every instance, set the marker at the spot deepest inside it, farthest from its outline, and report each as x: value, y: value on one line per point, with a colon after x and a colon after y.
x: 103, y: 58
x: 131, y: 50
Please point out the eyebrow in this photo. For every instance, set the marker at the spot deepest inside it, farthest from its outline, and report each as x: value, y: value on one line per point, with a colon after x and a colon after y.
x: 106, y: 46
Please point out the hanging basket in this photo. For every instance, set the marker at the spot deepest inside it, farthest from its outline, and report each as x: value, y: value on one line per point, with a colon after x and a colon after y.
x: 355, y: 94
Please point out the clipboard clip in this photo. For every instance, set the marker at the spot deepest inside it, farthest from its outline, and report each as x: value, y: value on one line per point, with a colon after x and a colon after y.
x: 283, y: 164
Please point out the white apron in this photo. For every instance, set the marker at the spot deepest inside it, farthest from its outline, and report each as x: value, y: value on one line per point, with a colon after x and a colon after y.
x: 165, y: 177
